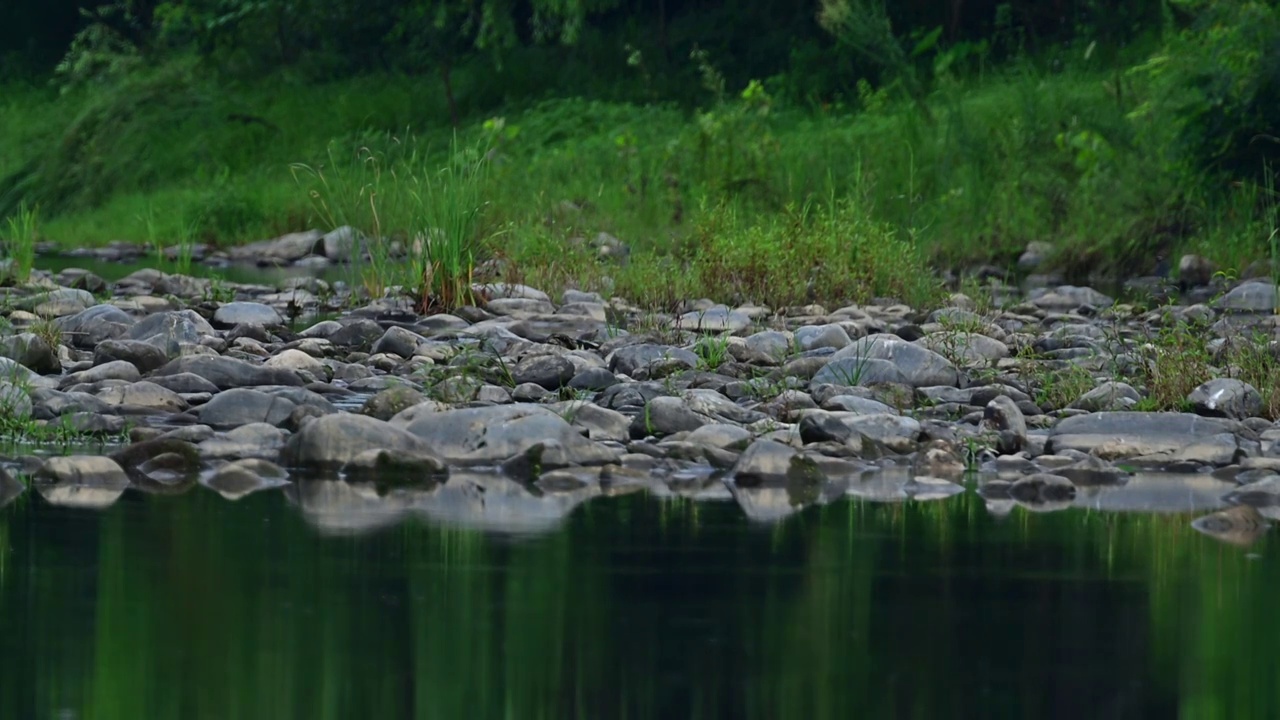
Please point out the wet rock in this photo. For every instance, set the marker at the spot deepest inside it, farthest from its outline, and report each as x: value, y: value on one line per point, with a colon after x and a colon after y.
x: 1226, y: 397
x: 490, y: 435
x: 1124, y: 435
x: 334, y: 440
x: 114, y: 370
x: 1042, y: 489
x: 395, y: 469
x: 771, y: 462
x: 255, y: 440
x: 1263, y: 493
x: 1240, y: 525
x: 822, y: 427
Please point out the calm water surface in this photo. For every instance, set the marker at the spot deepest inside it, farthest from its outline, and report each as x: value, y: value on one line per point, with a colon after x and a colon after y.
x: 196, y: 607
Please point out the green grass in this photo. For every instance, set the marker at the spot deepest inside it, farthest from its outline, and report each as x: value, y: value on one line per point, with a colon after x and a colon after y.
x: 736, y: 200
x: 22, y: 232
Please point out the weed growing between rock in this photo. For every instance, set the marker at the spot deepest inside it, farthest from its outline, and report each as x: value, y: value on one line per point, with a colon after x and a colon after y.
x: 20, y: 244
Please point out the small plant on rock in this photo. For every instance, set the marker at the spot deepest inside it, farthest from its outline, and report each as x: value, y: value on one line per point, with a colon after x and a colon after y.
x: 712, y: 351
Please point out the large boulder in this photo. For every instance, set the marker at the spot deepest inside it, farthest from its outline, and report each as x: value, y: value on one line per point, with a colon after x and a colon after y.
x: 1226, y: 397
x: 334, y: 440
x: 491, y: 435
x: 920, y: 366
x: 1170, y: 436
x: 241, y: 406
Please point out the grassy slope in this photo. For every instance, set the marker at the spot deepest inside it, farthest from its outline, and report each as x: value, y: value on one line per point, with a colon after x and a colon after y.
x: 1019, y: 156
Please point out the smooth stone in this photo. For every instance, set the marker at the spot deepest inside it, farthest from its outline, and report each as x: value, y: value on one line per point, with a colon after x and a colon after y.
x: 1226, y: 397
x: 333, y: 440
x: 241, y: 406
x: 144, y: 395
x: 32, y: 352
x: 491, y: 435
x: 227, y: 373
x: 921, y: 366
x: 1123, y: 435
x: 246, y: 313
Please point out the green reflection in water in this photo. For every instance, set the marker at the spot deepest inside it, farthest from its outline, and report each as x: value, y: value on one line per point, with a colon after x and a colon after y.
x: 194, y: 607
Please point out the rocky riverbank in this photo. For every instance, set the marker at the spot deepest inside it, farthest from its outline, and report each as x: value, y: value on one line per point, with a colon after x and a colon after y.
x: 510, y: 414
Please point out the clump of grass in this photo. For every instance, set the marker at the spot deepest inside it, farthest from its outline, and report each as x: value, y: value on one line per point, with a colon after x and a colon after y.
x: 712, y: 351
x: 423, y: 217
x: 834, y: 254
x: 1176, y: 361
x: 20, y: 242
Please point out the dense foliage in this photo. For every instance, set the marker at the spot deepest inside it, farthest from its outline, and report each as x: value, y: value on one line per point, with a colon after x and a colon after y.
x: 1119, y: 130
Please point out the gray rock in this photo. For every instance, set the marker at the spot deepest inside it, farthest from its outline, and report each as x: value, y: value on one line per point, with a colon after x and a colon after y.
x: 343, y: 244
x: 284, y: 249
x: 491, y: 435
x: 1226, y: 397
x: 1069, y: 297
x: 715, y: 319
x: 241, y: 406
x: 1110, y: 395
x: 255, y: 440
x: 594, y: 379
x: 142, y: 395
x: 1127, y: 435
x: 185, y: 383
x: 768, y: 462
x: 398, y: 341
x: 631, y: 359
x: 1042, y: 489
x: 115, y: 370
x: 919, y: 365
x: 1004, y: 417
x: 813, y: 337
x: 334, y: 440
x: 1195, y: 270
x: 551, y: 372
x: 600, y: 423
x: 32, y: 351
x: 394, y: 400
x: 143, y: 356
x: 226, y: 372
x: 90, y: 327
x: 169, y: 331
x: 666, y: 415
x: 852, y: 372
x: 1250, y: 296
x: 246, y: 313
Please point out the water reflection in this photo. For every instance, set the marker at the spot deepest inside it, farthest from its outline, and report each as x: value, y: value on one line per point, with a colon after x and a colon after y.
x: 331, y: 600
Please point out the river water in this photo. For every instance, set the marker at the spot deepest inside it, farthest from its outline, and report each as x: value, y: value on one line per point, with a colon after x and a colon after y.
x: 193, y: 606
